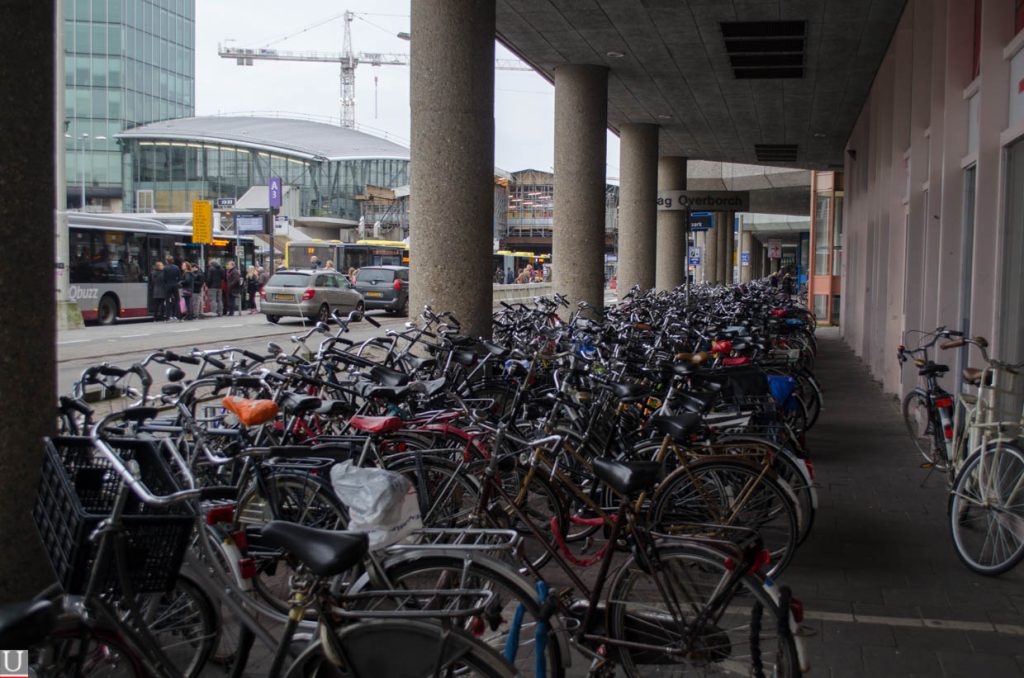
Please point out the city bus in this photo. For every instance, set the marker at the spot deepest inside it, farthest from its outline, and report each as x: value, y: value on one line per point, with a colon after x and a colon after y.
x: 347, y: 255
x: 110, y: 257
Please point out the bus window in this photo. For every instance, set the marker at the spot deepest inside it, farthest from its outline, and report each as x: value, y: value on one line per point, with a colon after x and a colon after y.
x: 81, y: 256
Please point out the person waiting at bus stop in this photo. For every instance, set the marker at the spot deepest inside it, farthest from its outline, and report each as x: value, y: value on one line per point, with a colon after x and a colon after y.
x: 214, y: 282
x: 234, y: 289
x: 157, y: 291
x: 172, y: 284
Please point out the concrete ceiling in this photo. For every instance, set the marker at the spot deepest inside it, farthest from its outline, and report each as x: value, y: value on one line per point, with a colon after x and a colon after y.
x: 674, y: 70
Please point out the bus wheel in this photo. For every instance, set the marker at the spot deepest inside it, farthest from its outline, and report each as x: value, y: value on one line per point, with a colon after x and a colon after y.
x: 106, y: 313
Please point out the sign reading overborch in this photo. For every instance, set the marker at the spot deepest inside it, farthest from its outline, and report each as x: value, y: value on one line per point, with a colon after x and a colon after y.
x: 704, y: 201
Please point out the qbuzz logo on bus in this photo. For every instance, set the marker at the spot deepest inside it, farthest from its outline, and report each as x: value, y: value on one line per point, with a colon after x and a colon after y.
x: 76, y: 293
x: 14, y: 664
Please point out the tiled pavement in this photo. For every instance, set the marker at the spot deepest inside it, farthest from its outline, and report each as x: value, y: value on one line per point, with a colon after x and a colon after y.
x: 885, y: 592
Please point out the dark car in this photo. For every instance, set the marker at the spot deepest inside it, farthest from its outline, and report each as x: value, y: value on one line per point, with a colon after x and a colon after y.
x: 384, y: 287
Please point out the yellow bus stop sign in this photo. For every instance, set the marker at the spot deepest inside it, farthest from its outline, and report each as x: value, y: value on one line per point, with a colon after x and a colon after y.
x: 202, y: 222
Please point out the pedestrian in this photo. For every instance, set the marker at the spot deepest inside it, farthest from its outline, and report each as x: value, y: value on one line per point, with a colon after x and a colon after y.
x: 329, y: 266
x: 172, y: 283
x: 158, y: 290
x: 499, y: 276
x: 252, y: 286
x: 352, y: 274
x: 214, y: 283
x: 234, y: 289
x: 198, y: 285
x: 314, y: 263
x: 187, y: 283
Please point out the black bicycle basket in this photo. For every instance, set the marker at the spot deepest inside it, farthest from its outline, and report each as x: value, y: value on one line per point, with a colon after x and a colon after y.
x: 77, y: 490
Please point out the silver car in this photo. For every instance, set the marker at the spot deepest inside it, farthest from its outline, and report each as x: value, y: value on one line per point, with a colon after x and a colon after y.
x: 308, y: 293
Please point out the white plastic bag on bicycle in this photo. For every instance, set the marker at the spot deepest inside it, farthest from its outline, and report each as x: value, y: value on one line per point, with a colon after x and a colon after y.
x: 383, y: 504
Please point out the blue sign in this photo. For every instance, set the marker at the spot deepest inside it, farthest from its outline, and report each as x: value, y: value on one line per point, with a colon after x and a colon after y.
x: 694, y: 257
x: 701, y: 221
x: 274, y: 185
x: 745, y: 259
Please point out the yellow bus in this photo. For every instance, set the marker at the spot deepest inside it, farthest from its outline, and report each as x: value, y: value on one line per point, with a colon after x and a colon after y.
x: 345, y: 255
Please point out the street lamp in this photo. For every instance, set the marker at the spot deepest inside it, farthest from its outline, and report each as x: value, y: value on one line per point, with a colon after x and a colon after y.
x: 81, y: 160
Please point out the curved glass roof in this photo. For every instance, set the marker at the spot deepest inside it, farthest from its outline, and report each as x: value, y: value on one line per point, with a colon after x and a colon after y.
x: 287, y: 136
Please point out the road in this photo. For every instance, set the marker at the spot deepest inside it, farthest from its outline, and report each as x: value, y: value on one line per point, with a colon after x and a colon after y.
x: 127, y: 342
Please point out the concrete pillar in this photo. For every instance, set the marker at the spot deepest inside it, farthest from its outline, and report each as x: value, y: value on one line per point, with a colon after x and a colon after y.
x: 710, y: 257
x: 670, y: 270
x: 720, y: 234
x: 452, y: 107
x: 730, y: 248
x: 27, y: 340
x: 638, y: 213
x: 747, y: 248
x: 581, y: 122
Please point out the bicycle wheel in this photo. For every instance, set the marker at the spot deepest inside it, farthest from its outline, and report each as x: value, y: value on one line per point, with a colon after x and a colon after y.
x: 740, y: 637
x: 85, y: 654
x: 986, y: 510
x: 447, y: 494
x: 919, y: 418
x: 183, y: 623
x: 731, y: 492
x: 426, y: 571
x: 399, y: 647
x: 294, y: 497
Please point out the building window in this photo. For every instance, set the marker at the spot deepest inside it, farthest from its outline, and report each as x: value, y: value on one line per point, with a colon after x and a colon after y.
x: 821, y: 229
x: 820, y: 307
x: 837, y: 237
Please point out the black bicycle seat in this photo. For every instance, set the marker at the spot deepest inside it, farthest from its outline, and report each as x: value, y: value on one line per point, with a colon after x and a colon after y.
x: 386, y: 377
x: 933, y: 368
x: 420, y: 363
x: 325, y: 552
x: 627, y: 477
x: 630, y: 393
x: 296, y: 403
x: 678, y: 426
x: 26, y: 624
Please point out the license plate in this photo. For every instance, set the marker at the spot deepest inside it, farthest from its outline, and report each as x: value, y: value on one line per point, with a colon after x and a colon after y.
x: 375, y: 294
x: 284, y: 297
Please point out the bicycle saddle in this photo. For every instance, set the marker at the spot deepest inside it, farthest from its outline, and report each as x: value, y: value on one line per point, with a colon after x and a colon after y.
x: 296, y: 403
x: 26, y: 624
x: 464, y: 357
x: 698, y: 402
x: 627, y: 477
x: 933, y: 368
x: 630, y: 393
x: 375, y: 424
x: 386, y: 377
x: 420, y: 363
x: 325, y: 552
x: 678, y: 426
x: 335, y: 408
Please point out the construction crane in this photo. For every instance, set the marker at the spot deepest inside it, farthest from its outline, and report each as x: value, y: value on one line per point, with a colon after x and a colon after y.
x: 346, y: 58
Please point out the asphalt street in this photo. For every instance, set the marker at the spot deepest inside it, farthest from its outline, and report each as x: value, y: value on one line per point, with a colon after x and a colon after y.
x: 127, y: 342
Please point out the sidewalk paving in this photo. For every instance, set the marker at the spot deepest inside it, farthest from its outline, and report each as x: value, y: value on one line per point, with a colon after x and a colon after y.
x: 885, y: 592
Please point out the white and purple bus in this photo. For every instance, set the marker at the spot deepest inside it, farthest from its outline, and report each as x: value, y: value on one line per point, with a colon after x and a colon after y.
x: 111, y: 255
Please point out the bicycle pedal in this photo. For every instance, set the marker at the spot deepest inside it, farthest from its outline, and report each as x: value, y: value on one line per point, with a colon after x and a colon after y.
x: 587, y: 543
x: 927, y: 466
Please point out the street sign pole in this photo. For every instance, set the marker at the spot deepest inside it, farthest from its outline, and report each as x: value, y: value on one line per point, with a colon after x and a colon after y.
x: 686, y: 240
x: 274, y: 190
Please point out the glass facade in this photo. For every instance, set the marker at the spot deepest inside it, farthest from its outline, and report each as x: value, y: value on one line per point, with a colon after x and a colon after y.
x: 168, y: 175
x: 126, y: 63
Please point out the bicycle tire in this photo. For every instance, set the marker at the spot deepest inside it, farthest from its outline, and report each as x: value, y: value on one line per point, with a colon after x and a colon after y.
x: 426, y: 571
x: 998, y: 521
x: 771, y: 509
x: 920, y: 421
x: 633, y: 613
x: 385, y: 647
x: 112, y: 659
x: 189, y: 626
x: 304, y: 499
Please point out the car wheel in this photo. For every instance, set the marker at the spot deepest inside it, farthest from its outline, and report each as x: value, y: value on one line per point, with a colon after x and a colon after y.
x: 325, y: 313
x: 106, y: 313
x: 273, y: 318
x: 361, y: 310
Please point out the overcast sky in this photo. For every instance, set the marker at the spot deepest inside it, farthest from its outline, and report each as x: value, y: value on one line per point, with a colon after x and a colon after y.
x: 524, y: 102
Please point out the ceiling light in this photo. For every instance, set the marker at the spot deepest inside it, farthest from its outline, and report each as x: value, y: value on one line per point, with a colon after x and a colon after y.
x: 614, y: 54
x: 664, y: 116
x: 820, y: 135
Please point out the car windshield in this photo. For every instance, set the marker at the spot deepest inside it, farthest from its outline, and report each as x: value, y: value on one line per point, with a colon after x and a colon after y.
x: 375, y: 275
x: 288, y: 280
